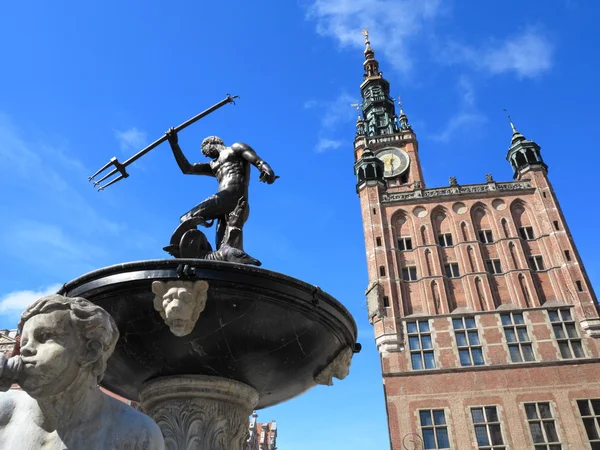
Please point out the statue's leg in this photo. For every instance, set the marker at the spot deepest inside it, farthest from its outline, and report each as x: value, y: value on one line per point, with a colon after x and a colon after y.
x: 220, y: 204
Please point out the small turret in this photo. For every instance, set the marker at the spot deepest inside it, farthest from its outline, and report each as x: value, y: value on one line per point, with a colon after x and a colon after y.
x: 523, y: 154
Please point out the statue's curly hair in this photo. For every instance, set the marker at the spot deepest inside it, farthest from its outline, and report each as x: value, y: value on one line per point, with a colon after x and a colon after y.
x: 92, y: 322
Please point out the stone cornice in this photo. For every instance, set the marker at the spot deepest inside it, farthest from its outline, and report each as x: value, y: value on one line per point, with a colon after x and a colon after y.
x: 457, y: 191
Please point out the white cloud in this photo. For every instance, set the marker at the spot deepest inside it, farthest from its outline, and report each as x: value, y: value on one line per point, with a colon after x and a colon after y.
x: 391, y: 23
x: 131, y: 139
x: 325, y: 144
x: 16, y: 302
x: 527, y: 54
x: 458, y: 124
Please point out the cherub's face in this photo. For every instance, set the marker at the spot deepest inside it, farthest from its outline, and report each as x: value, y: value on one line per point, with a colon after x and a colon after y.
x: 178, y: 305
x: 50, y: 350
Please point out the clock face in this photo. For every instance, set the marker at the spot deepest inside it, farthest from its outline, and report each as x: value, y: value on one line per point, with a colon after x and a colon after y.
x: 395, y: 161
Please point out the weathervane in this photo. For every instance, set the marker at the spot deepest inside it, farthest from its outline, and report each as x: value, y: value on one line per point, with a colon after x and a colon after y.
x: 357, y: 106
x: 512, y: 125
x: 366, y: 33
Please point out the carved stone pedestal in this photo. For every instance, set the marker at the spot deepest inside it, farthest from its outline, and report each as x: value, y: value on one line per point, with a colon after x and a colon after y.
x: 199, y: 412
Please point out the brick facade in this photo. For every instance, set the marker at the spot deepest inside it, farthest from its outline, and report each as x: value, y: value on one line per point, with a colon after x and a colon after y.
x: 483, y: 313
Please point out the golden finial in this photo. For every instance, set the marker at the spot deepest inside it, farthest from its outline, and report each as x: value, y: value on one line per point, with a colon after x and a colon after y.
x: 357, y: 106
x: 366, y: 33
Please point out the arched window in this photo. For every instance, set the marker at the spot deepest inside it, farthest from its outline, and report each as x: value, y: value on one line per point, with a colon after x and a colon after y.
x: 424, y: 234
x: 482, y: 225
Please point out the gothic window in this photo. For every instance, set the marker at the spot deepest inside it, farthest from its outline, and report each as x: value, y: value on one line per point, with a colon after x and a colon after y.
x: 467, y: 341
x: 428, y: 262
x: 517, y: 337
x: 435, y: 291
x: 566, y: 334
x: 486, y: 237
x: 520, y: 158
x: 434, y: 429
x: 404, y: 243
x: 542, y: 426
x: 424, y: 234
x: 488, y: 432
x: 590, y: 414
x: 526, y: 233
x: 536, y: 263
x: 420, y: 345
x: 451, y: 270
x: 530, y: 156
x: 409, y: 273
x: 445, y: 240
x: 505, y: 228
x: 493, y: 266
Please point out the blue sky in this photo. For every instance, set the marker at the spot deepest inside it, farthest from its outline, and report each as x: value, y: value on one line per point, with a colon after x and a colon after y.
x: 82, y: 82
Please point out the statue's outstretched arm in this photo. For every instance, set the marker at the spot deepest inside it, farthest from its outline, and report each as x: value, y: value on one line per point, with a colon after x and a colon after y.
x: 266, y: 173
x: 182, y: 161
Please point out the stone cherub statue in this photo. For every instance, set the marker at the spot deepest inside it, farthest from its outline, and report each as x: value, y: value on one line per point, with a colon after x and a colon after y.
x: 65, y: 343
x: 180, y: 303
x: 231, y: 167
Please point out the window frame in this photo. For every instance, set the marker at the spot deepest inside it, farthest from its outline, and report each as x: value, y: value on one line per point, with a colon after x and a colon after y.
x: 469, y: 348
x: 451, y: 270
x: 419, y: 333
x: 526, y: 233
x: 594, y: 417
x: 410, y: 270
x: 487, y: 423
x: 495, y: 265
x: 434, y: 427
x: 514, y: 326
x: 536, y: 263
x: 445, y: 240
x: 402, y: 242
x: 485, y: 236
x: 541, y: 421
x: 566, y: 335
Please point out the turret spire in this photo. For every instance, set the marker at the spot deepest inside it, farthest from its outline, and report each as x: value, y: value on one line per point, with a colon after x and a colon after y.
x: 522, y: 153
x: 403, y: 120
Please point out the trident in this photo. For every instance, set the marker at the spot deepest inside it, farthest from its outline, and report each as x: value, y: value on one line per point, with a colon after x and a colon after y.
x: 120, y: 167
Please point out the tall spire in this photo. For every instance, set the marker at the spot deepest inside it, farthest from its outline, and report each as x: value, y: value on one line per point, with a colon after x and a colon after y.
x: 403, y: 120
x: 371, y: 65
x: 516, y: 136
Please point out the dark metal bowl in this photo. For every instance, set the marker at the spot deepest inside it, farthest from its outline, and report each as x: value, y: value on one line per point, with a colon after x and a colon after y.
x: 262, y: 328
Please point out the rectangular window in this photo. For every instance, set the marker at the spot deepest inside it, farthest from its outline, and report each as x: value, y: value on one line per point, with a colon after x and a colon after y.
x: 488, y: 431
x: 542, y: 426
x: 434, y: 429
x: 567, y: 255
x: 445, y: 239
x: 536, y: 263
x: 526, y: 233
x: 556, y: 227
x: 382, y: 271
x: 579, y: 286
x: 493, y: 266
x: 386, y: 301
x: 409, y: 273
x: 517, y: 337
x: 404, y: 243
x: 467, y: 341
x: 486, y: 236
x: 452, y: 270
x: 590, y: 414
x: 378, y: 240
x: 420, y: 345
x: 566, y: 333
